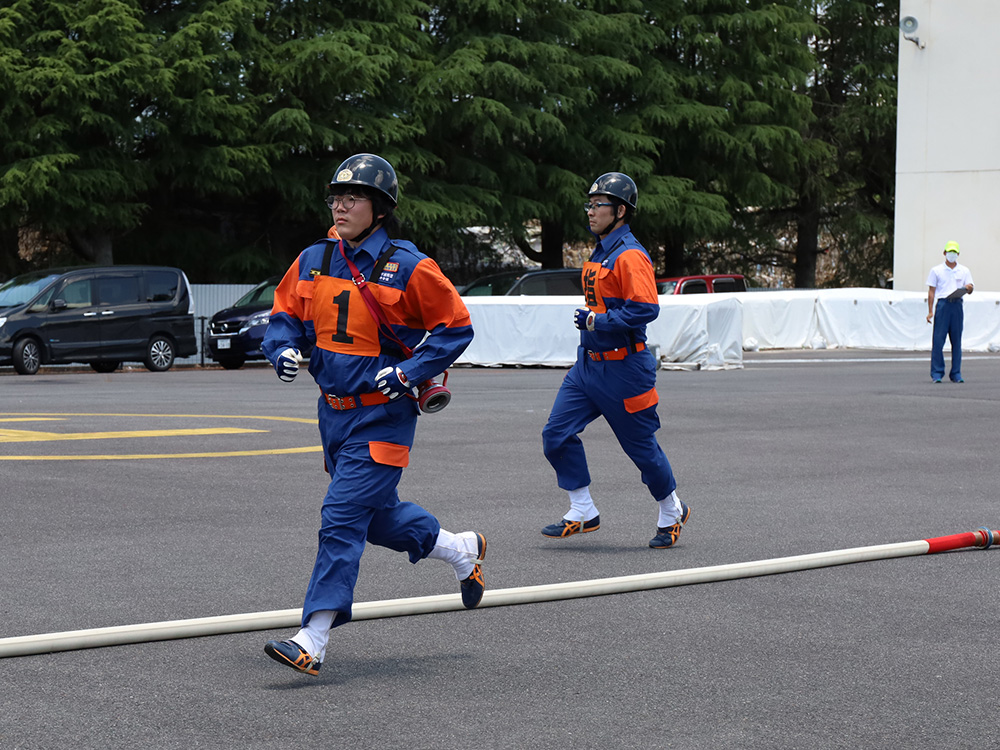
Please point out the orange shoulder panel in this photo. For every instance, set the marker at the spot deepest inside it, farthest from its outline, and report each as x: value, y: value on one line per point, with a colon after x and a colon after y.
x: 431, y: 299
x: 286, y: 297
x: 635, y: 272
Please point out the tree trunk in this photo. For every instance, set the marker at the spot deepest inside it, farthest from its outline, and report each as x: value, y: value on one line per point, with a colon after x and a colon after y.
x: 673, y: 258
x: 94, y: 245
x: 553, y: 236
x: 551, y: 254
x: 807, y: 246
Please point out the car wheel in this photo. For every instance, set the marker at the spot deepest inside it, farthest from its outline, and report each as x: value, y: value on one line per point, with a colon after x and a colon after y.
x: 231, y: 363
x: 27, y: 356
x: 159, y: 354
x: 104, y: 366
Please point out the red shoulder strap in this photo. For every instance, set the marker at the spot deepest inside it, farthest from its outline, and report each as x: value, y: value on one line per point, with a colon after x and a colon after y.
x: 372, y: 304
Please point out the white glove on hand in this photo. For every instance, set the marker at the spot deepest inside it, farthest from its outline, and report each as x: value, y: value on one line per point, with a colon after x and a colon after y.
x: 392, y: 382
x: 584, y: 318
x: 287, y: 364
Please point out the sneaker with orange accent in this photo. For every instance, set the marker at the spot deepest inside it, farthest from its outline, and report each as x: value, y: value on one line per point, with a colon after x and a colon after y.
x: 475, y: 584
x: 568, y: 528
x: 292, y: 655
x: 666, y: 536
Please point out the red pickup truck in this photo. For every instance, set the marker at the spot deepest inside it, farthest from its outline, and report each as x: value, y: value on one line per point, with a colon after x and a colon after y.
x: 707, y: 284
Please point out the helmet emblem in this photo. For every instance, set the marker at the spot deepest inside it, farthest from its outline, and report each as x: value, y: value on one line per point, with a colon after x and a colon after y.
x: 344, y: 175
x: 593, y: 188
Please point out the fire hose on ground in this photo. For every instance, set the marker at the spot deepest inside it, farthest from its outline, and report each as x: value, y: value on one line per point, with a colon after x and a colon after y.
x: 982, y: 538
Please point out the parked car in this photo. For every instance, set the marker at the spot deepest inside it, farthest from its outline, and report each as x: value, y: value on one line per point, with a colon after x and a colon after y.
x: 99, y: 315
x: 553, y: 281
x: 235, y: 333
x: 706, y: 284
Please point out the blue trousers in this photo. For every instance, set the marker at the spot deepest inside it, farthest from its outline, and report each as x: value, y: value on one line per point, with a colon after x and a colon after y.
x: 595, y: 389
x: 361, y: 503
x: 949, y: 317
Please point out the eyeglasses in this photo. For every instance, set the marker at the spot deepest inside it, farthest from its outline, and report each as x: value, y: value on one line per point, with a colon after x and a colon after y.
x: 347, y: 201
x: 588, y: 206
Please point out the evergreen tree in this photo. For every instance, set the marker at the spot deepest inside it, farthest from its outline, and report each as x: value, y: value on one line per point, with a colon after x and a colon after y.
x: 335, y: 79
x: 854, y: 98
x: 694, y: 100
x: 201, y: 140
x: 843, y: 188
x: 203, y: 133
x: 723, y: 89
x: 502, y: 109
x: 75, y: 79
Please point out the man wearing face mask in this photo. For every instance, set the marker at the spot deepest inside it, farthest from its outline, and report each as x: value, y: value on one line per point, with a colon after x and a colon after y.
x: 367, y: 417
x: 947, y: 283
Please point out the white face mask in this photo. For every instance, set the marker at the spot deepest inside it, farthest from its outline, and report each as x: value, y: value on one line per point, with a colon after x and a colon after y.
x: 951, y: 257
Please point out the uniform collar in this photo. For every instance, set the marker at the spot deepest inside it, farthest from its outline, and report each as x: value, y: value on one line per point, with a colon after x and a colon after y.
x: 613, y: 237
x: 372, y: 245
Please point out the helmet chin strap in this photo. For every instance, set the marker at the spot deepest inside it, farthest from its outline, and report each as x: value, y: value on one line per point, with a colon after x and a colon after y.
x: 614, y: 222
x: 371, y: 228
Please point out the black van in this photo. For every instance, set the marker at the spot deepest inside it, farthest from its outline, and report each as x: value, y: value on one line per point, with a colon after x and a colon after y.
x: 99, y: 315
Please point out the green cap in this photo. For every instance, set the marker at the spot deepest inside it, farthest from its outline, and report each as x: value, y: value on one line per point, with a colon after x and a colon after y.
x: 951, y: 247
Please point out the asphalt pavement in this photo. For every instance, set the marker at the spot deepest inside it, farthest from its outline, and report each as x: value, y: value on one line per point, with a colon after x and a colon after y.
x: 138, y: 497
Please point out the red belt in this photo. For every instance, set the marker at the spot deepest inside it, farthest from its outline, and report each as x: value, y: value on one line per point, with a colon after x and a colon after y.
x: 614, y: 354
x: 342, y: 403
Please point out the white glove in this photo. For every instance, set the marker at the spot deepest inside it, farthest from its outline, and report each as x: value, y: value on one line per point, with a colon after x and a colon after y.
x: 584, y: 319
x: 287, y: 364
x: 392, y: 382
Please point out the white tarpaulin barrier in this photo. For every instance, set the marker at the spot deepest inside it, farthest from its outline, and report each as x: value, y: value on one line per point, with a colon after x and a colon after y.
x: 778, y: 320
x: 708, y: 331
x: 860, y: 318
x: 703, y: 331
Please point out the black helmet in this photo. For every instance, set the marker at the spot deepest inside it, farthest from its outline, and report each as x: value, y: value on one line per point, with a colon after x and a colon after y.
x: 370, y: 170
x: 618, y: 185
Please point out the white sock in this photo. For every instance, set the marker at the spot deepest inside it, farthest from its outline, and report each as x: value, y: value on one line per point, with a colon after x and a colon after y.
x: 581, y: 505
x: 670, y: 510
x: 461, y: 550
x: 315, y: 635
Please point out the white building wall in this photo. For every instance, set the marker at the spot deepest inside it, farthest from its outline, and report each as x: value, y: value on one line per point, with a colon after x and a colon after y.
x: 948, y: 141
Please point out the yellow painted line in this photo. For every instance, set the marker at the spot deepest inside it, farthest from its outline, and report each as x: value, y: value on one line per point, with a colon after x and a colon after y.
x: 162, y: 416
x: 27, y: 416
x: 33, y: 419
x: 24, y: 436
x: 137, y: 456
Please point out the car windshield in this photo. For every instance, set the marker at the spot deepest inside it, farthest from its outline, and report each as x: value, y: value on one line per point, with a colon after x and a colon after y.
x: 262, y: 294
x: 23, y: 289
x: 665, y: 287
x: 555, y: 283
x: 496, y: 285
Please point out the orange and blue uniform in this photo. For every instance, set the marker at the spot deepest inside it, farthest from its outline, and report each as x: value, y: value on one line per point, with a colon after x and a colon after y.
x: 615, y: 374
x: 366, y: 438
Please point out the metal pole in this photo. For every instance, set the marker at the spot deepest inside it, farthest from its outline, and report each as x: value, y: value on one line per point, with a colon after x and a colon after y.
x: 202, y: 318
